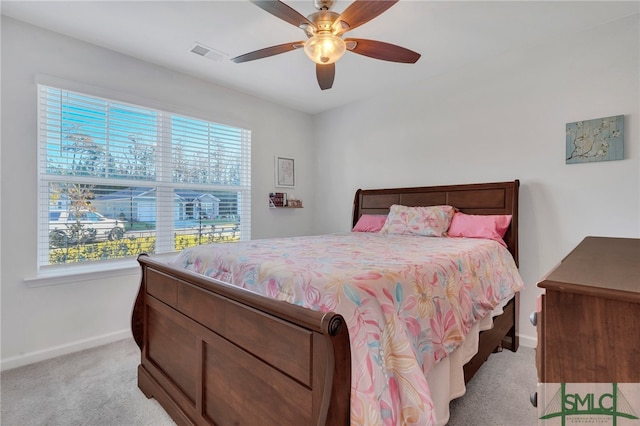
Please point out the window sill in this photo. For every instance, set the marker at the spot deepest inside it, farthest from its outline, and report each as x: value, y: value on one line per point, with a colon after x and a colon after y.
x: 65, y: 274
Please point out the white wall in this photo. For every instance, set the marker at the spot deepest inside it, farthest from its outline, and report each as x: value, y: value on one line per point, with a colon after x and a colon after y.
x: 44, y: 321
x: 502, y: 119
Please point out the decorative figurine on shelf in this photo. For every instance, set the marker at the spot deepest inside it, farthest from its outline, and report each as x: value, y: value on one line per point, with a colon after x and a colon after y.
x: 294, y: 203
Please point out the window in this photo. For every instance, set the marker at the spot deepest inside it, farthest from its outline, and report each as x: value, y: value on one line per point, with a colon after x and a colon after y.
x: 117, y: 180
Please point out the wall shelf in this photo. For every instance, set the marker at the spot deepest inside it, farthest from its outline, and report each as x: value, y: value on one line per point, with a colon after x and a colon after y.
x: 279, y: 200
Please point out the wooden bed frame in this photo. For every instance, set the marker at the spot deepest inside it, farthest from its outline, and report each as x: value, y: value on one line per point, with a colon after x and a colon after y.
x: 214, y: 353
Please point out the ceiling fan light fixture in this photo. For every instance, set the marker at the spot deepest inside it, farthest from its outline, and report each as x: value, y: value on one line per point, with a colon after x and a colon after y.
x: 325, y: 48
x: 325, y: 29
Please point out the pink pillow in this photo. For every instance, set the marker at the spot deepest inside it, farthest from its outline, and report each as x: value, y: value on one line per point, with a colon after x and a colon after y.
x: 432, y: 221
x: 492, y: 227
x: 370, y: 223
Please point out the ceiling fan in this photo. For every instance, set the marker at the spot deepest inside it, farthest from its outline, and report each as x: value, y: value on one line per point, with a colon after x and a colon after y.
x: 325, y: 30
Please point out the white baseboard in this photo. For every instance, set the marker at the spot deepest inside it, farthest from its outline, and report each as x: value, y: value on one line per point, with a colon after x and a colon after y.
x: 56, y: 351
x: 528, y: 341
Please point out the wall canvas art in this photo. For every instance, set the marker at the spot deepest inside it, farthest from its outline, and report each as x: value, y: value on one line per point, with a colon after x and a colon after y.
x: 601, y: 139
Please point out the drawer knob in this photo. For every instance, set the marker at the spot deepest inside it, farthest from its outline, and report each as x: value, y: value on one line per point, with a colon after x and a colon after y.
x: 534, y: 318
x: 533, y: 398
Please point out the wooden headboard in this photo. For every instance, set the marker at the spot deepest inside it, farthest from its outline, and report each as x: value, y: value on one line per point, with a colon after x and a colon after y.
x: 477, y: 198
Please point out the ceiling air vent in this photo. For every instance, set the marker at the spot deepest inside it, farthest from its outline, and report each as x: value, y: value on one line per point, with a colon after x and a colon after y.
x: 208, y: 52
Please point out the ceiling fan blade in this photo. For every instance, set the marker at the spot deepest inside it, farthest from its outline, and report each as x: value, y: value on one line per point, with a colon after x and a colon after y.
x: 283, y: 11
x: 360, y: 12
x: 381, y: 50
x: 268, y: 51
x: 325, y: 74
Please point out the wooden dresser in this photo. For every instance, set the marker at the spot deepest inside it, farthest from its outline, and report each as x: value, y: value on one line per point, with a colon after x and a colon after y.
x: 588, y: 319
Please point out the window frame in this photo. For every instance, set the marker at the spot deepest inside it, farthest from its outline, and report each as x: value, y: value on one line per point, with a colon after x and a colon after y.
x: 68, y: 272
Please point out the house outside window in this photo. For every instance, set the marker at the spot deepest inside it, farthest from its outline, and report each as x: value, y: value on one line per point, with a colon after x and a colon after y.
x: 117, y: 180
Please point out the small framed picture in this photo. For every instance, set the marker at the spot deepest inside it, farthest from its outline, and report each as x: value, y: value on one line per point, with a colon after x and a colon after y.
x: 285, y: 172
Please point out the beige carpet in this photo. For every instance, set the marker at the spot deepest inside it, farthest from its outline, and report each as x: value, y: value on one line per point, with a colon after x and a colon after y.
x: 98, y: 387
x: 498, y: 395
x: 89, y: 388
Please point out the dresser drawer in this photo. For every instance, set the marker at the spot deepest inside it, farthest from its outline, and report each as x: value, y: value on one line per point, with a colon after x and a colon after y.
x: 589, y: 339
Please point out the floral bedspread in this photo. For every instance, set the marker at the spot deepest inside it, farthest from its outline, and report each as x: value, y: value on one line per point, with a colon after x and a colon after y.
x: 408, y: 302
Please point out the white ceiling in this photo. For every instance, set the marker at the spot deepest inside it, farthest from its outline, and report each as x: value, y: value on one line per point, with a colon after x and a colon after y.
x: 448, y: 34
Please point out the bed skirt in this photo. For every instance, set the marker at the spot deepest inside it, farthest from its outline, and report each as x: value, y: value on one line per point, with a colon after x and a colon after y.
x: 446, y: 380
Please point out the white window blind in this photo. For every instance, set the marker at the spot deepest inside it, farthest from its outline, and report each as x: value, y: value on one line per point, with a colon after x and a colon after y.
x: 117, y: 180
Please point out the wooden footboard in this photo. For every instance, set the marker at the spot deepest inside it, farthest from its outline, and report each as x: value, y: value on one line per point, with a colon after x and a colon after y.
x: 212, y: 353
